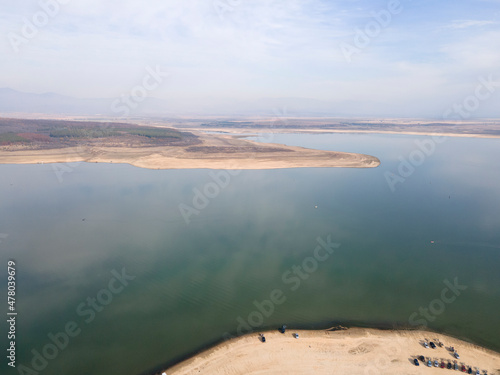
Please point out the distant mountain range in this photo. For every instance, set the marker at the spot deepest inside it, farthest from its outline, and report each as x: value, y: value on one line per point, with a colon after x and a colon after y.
x: 56, y: 104
x: 12, y: 101
x: 52, y: 103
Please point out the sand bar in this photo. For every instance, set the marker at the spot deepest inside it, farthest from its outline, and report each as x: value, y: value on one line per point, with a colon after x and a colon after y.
x: 353, y: 351
x: 214, y: 152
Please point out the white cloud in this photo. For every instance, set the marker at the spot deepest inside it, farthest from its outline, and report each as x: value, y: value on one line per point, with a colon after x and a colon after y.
x: 463, y: 24
x: 258, y: 49
x: 475, y: 54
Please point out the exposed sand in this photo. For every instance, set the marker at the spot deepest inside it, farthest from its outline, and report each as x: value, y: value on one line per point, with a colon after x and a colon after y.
x: 236, y: 153
x: 353, y: 351
x: 215, y: 152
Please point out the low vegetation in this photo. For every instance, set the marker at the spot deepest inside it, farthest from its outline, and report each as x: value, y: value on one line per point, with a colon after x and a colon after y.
x: 154, y: 132
x: 10, y: 138
x: 83, y: 133
x: 43, y: 134
x: 80, y: 132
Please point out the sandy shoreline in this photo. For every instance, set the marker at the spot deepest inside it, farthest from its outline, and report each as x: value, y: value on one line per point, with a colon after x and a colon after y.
x: 214, y: 152
x: 226, y: 150
x: 353, y: 351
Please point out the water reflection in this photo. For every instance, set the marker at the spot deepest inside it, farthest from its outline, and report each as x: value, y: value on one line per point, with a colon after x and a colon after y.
x: 194, y: 280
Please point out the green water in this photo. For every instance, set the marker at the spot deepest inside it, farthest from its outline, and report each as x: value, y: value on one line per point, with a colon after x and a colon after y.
x: 193, y: 283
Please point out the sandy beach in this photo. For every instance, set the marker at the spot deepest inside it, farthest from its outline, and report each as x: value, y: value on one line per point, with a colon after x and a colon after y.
x: 214, y: 152
x: 352, y: 351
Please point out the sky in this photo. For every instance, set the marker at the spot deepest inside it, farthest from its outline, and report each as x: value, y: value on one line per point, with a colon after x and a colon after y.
x: 414, y: 58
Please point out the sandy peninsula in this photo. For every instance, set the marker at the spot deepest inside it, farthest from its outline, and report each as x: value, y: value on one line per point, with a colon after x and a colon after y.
x: 213, y: 143
x: 210, y: 151
x: 353, y: 351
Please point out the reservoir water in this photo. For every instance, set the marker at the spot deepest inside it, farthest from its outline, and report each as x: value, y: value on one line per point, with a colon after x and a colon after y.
x: 140, y: 268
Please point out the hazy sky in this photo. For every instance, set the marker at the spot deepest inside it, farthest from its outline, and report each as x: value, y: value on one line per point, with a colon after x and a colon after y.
x: 421, y: 59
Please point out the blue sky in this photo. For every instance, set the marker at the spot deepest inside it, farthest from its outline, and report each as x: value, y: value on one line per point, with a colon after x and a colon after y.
x: 428, y: 55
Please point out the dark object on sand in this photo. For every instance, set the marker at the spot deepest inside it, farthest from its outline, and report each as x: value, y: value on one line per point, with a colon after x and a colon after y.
x: 415, y: 361
x: 422, y: 358
x: 433, y: 346
x: 283, y: 328
x: 448, y: 366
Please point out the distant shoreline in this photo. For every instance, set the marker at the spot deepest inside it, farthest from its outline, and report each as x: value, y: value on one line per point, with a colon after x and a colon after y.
x: 253, y: 132
x: 351, y: 351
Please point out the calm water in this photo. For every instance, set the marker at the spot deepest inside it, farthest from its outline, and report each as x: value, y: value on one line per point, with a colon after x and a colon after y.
x: 194, y: 281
